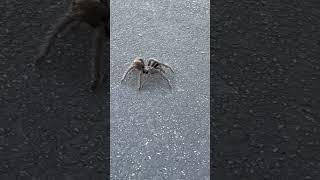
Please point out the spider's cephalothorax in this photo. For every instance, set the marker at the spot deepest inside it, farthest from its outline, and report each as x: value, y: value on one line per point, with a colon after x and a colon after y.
x: 92, y: 12
x: 152, y: 66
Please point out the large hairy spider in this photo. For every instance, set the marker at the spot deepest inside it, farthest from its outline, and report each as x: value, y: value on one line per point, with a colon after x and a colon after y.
x: 152, y: 66
x: 92, y: 12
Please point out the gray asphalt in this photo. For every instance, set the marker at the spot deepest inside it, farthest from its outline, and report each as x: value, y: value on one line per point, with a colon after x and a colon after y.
x: 158, y: 133
x: 51, y: 125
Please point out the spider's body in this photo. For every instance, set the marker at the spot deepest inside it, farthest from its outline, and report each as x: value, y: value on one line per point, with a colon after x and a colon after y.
x: 152, y: 66
x: 92, y: 12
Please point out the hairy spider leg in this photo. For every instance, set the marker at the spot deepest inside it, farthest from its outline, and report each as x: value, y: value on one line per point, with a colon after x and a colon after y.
x: 164, y: 77
x: 161, y: 64
x: 127, y: 71
x: 167, y: 66
x: 162, y: 70
x: 140, y: 79
x: 142, y: 61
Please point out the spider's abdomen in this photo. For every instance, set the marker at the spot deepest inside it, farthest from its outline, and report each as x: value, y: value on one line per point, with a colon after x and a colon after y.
x: 153, y: 63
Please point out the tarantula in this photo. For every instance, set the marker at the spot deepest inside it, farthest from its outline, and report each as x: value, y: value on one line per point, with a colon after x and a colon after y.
x: 152, y: 66
x: 95, y: 13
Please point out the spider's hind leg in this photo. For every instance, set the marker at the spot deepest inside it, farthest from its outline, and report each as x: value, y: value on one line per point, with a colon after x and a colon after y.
x: 167, y: 66
x: 165, y: 78
x: 160, y: 69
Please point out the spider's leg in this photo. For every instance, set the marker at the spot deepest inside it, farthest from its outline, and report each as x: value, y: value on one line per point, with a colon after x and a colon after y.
x: 98, y: 56
x: 149, y: 71
x: 162, y: 70
x: 167, y: 66
x: 144, y: 82
x: 164, y: 77
x: 161, y: 64
x: 150, y: 61
x: 140, y: 80
x: 66, y: 20
x: 126, y: 73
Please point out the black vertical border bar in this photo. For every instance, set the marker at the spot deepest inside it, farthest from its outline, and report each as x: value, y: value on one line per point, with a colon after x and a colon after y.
x: 211, y: 88
x: 107, y: 82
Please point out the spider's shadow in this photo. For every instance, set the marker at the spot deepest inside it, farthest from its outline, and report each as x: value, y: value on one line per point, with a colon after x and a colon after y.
x: 151, y: 82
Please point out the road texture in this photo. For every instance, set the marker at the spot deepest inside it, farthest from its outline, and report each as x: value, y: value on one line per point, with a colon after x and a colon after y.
x: 265, y: 90
x: 52, y: 126
x: 157, y: 133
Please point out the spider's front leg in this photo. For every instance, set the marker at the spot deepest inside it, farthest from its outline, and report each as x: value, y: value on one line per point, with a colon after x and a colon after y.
x: 131, y: 67
x: 140, y: 79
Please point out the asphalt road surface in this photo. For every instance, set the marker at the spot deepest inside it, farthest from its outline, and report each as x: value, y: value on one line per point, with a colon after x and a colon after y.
x: 52, y: 126
x: 265, y: 90
x: 157, y: 133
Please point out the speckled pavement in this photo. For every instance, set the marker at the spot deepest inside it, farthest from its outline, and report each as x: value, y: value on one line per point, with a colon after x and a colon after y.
x: 158, y: 133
